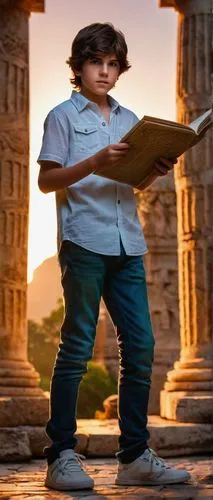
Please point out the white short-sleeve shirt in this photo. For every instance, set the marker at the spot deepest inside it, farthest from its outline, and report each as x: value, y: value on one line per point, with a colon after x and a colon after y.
x: 93, y: 212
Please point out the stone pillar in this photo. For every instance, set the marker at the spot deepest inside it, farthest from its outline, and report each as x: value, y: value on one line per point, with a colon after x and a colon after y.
x: 157, y: 213
x: 17, y: 375
x: 105, y: 348
x: 22, y: 402
x: 188, y: 390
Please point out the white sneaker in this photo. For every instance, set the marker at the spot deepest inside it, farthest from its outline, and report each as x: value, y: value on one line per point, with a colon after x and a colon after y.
x: 149, y: 469
x: 66, y: 473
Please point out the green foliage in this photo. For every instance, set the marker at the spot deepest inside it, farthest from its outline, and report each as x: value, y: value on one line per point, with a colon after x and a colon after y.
x: 51, y: 324
x: 96, y: 385
x: 43, y: 339
x: 41, y: 351
x: 45, y: 383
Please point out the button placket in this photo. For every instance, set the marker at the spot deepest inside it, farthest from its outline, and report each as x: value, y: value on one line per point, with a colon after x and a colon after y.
x: 118, y: 207
x: 106, y: 130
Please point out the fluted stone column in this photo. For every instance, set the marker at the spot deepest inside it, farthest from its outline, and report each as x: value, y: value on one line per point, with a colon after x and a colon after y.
x: 18, y: 378
x: 188, y: 391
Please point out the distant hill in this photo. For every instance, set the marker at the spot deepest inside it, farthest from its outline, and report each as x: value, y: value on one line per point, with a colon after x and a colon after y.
x: 44, y: 289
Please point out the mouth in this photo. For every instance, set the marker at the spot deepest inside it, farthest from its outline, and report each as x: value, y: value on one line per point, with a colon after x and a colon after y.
x: 102, y: 82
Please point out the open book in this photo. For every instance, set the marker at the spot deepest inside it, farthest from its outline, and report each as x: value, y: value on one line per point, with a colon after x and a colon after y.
x: 152, y: 138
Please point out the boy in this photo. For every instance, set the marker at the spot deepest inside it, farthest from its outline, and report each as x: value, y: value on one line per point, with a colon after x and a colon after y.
x: 101, y: 244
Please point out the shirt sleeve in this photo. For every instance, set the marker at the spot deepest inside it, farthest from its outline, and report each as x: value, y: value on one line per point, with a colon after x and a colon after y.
x: 55, y: 139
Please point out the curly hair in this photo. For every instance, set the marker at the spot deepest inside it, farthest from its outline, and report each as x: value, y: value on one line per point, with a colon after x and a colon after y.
x: 93, y: 39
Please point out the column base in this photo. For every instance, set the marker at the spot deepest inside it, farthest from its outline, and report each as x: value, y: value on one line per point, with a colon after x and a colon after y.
x: 19, y: 378
x: 187, y: 406
x: 24, y: 410
x: 191, y: 376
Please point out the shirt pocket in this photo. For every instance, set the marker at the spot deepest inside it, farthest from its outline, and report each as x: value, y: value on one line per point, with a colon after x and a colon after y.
x: 86, y: 136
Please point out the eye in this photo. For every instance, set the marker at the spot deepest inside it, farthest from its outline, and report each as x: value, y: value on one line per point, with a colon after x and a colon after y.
x: 115, y: 64
x: 95, y: 61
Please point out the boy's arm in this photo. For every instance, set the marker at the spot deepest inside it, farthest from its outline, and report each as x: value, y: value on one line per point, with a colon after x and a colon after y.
x: 160, y: 168
x: 53, y: 176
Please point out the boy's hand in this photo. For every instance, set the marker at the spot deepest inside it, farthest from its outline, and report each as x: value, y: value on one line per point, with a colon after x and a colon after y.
x: 164, y: 165
x: 109, y: 156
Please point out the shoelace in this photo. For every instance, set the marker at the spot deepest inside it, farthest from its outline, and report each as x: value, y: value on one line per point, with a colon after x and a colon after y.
x: 159, y: 461
x: 72, y: 463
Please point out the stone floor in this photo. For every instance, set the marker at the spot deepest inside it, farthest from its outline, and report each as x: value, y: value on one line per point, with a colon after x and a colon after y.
x: 24, y: 481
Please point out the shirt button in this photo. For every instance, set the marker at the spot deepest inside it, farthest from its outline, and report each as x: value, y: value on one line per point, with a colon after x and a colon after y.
x: 104, y: 124
x: 119, y: 201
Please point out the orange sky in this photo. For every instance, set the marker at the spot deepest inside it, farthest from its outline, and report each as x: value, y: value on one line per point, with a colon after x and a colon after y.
x: 147, y: 88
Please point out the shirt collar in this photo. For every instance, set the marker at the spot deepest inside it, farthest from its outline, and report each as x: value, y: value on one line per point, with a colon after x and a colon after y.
x: 81, y: 102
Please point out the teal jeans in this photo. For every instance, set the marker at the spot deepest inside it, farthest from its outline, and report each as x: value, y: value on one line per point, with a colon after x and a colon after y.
x: 121, y: 281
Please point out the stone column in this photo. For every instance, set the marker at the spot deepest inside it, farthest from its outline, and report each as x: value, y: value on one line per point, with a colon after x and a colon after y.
x: 188, y: 390
x: 157, y: 213
x: 21, y: 400
x: 105, y: 348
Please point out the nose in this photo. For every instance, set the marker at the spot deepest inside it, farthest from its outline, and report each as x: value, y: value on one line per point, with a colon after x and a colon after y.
x: 104, y: 69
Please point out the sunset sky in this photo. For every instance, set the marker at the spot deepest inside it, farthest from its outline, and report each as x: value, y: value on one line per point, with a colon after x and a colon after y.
x: 147, y: 88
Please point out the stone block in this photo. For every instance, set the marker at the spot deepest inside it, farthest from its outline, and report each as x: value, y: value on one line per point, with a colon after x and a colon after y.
x: 102, y: 445
x: 171, y: 438
x: 38, y: 439
x: 159, y: 373
x: 23, y: 410
x: 182, y: 407
x: 100, y: 439
x: 14, y: 445
x: 82, y: 443
x: 102, y: 436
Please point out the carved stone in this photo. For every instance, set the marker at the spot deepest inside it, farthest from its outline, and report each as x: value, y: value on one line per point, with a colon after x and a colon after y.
x: 37, y: 5
x: 193, y: 180
x: 98, y: 438
x: 24, y: 5
x: 157, y: 212
x: 17, y: 376
x: 185, y: 6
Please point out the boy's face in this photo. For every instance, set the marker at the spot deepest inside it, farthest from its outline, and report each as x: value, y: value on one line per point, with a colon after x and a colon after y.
x: 99, y: 75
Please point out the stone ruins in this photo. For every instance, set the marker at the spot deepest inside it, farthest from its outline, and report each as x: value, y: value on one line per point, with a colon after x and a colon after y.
x: 179, y: 262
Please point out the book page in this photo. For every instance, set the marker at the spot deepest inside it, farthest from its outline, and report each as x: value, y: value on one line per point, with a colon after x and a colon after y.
x: 163, y: 122
x: 203, y: 121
